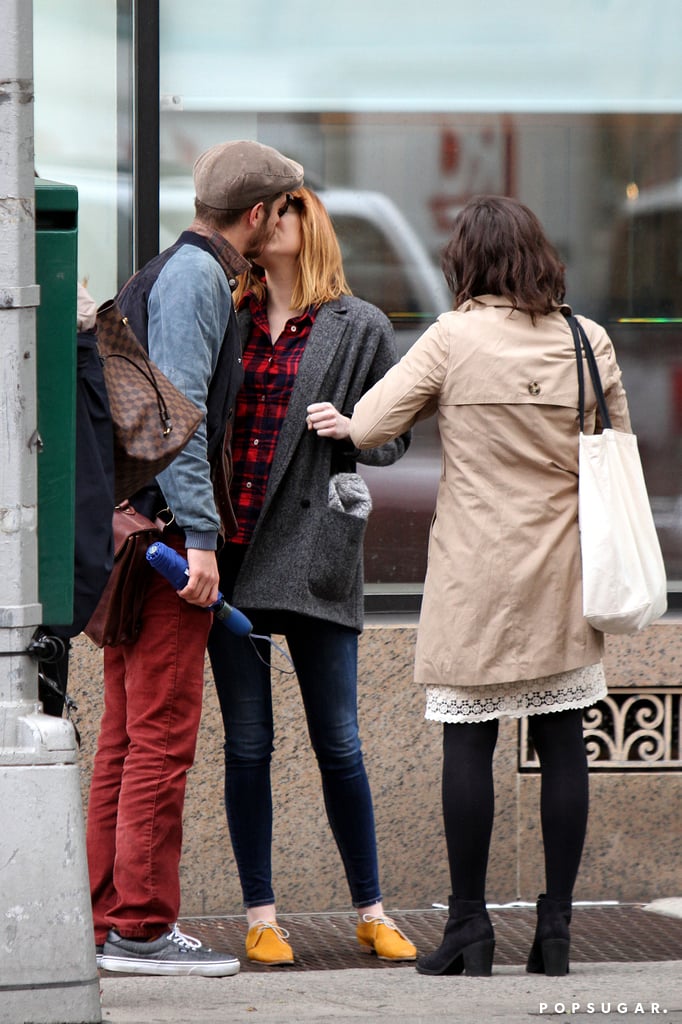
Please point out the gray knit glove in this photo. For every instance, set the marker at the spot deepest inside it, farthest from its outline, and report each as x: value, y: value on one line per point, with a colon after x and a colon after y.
x: 349, y: 493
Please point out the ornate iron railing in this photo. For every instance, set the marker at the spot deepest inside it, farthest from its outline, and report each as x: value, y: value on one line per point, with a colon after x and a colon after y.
x: 634, y: 730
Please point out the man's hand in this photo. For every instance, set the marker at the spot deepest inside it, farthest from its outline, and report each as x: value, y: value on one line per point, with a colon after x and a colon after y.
x: 202, y: 588
x: 327, y: 421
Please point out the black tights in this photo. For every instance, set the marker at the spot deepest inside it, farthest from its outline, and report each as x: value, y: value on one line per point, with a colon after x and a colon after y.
x: 469, y: 799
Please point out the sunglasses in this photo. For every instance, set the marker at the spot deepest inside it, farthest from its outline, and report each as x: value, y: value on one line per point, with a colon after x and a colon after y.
x: 288, y: 200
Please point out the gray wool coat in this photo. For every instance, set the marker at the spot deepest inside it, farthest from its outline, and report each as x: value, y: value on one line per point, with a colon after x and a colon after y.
x: 306, y: 556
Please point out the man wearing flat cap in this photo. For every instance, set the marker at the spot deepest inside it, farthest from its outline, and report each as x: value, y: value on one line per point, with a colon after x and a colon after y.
x: 180, y: 307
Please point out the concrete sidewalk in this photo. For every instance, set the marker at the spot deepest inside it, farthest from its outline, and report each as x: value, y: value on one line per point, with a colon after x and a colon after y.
x: 623, y: 990
x: 618, y: 992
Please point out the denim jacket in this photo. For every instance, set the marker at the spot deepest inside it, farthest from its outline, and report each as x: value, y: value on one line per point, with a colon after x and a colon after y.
x: 180, y: 306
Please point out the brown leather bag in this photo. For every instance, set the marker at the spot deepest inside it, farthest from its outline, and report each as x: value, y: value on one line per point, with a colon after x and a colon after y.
x: 117, y: 617
x: 153, y: 421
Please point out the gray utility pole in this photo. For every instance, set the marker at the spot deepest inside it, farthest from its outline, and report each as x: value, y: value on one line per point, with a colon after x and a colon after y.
x: 48, y: 973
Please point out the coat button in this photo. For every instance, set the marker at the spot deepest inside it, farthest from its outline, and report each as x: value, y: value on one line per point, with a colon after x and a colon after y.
x: 533, y: 387
x: 305, y: 503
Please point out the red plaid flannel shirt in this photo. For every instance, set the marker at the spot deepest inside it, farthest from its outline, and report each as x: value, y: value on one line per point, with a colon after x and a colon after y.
x: 269, y: 376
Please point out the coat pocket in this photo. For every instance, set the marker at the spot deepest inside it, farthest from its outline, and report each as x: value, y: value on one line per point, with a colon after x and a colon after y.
x: 337, y: 551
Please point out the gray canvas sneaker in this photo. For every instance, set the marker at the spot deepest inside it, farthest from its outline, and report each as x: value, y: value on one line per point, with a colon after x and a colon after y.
x: 172, y: 954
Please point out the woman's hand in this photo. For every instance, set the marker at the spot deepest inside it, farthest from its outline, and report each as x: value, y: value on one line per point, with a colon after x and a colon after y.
x: 327, y: 421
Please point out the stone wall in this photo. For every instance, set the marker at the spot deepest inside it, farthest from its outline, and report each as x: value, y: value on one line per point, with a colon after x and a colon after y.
x: 634, y: 844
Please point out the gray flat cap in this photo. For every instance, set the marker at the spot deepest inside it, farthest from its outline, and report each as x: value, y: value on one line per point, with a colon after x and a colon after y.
x: 237, y: 175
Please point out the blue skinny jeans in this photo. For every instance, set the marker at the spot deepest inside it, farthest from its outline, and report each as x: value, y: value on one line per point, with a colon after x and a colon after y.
x: 325, y: 658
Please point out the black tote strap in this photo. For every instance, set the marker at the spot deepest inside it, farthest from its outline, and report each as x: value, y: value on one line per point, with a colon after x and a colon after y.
x: 581, y: 342
x: 573, y: 324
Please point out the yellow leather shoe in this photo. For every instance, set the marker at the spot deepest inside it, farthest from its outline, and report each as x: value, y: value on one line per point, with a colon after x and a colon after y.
x: 382, y: 936
x: 265, y: 944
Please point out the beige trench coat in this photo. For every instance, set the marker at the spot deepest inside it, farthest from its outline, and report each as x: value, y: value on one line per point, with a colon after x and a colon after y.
x: 502, y: 595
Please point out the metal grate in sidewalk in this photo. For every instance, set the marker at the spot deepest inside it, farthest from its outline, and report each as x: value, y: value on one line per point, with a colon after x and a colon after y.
x: 599, y: 934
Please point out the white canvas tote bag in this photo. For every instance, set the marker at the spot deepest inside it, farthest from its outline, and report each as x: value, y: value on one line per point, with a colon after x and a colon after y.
x: 624, y: 582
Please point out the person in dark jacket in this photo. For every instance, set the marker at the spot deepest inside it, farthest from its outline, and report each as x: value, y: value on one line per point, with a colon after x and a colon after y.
x: 295, y: 564
x: 94, y: 499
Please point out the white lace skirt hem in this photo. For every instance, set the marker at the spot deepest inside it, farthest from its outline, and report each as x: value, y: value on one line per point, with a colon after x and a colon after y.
x: 578, y: 688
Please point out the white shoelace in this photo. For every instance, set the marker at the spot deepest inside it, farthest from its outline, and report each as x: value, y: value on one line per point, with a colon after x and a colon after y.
x: 281, y: 933
x: 186, y: 942
x: 389, y: 922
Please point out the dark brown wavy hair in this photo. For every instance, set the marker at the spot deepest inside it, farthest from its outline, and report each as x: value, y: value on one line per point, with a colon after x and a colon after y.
x: 498, y: 247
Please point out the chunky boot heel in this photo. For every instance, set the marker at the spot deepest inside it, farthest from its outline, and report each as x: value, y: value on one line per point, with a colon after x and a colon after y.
x: 549, y: 952
x: 478, y: 959
x: 468, y: 942
x: 555, y: 957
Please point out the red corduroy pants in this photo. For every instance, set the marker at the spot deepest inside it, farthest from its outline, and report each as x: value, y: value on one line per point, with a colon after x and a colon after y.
x: 152, y: 708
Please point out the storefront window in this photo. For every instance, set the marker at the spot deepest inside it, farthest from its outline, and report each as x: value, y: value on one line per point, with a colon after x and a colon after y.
x: 399, y: 116
x: 82, y: 66
x: 607, y: 187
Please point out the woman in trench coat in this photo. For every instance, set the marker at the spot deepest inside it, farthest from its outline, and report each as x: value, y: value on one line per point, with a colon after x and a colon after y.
x: 501, y: 631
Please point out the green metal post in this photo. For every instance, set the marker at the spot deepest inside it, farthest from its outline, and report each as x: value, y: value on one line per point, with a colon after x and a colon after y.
x: 56, y: 269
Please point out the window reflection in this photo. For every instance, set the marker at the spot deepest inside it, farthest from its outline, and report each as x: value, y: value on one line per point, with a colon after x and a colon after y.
x: 376, y: 267
x: 607, y: 187
x: 393, y: 184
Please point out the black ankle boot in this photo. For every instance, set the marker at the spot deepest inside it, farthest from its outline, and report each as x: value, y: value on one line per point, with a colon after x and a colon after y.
x: 549, y: 952
x: 468, y: 943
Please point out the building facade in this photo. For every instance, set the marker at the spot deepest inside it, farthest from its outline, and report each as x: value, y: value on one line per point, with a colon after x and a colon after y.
x: 399, y: 113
